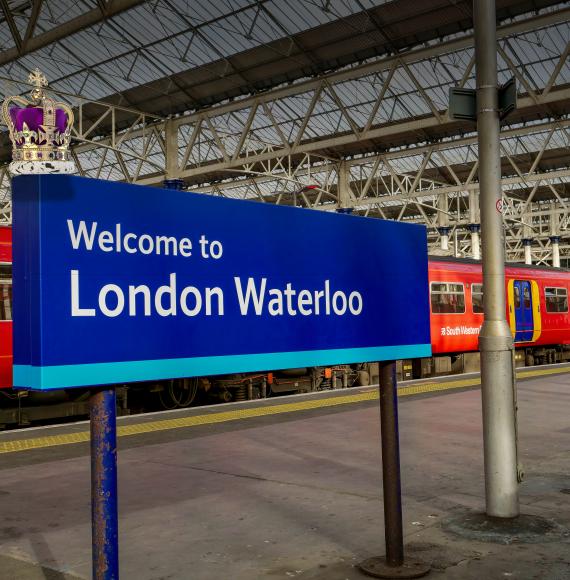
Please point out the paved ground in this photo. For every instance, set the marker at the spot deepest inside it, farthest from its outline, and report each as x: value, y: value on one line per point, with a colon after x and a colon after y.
x: 295, y: 495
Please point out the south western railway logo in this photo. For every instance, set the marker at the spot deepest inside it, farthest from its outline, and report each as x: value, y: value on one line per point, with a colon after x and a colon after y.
x: 459, y: 330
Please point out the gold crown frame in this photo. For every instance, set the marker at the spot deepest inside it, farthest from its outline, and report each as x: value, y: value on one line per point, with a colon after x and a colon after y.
x: 46, y: 147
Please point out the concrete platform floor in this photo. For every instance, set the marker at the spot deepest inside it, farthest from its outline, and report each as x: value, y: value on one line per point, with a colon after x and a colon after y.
x: 294, y: 495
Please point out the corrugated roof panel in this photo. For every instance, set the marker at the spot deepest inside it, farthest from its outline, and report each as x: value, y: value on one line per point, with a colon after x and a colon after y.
x: 306, y: 15
x: 401, y: 83
x: 93, y: 47
x: 56, y: 12
x: 6, y: 38
x: 54, y: 64
x: 360, y: 114
x: 153, y: 22
x: 229, y: 36
x: 353, y: 93
x: 204, y: 10
x: 144, y: 25
x: 262, y: 26
x: 191, y: 48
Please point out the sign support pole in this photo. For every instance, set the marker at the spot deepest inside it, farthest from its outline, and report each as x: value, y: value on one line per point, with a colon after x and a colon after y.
x: 495, y: 339
x: 393, y: 565
x: 104, y: 515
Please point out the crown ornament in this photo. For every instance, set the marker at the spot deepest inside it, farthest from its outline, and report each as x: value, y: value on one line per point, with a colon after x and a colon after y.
x: 40, y: 131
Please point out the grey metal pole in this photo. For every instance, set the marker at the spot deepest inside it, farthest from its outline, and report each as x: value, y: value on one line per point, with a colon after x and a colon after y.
x: 495, y: 340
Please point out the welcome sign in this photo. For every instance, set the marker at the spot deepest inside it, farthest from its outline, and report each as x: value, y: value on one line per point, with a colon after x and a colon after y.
x: 118, y: 283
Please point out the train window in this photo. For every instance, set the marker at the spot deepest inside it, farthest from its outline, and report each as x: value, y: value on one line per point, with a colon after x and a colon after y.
x: 5, y: 292
x: 477, y: 298
x: 556, y: 299
x: 447, y: 298
x: 526, y: 296
x: 517, y: 297
x: 5, y: 301
x: 5, y: 272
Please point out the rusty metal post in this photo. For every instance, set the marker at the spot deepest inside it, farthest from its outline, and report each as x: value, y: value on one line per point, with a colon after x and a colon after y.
x: 391, y: 466
x: 104, y: 515
x: 393, y: 565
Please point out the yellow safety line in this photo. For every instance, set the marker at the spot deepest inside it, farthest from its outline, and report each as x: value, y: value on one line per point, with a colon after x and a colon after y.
x: 237, y: 414
x: 541, y: 373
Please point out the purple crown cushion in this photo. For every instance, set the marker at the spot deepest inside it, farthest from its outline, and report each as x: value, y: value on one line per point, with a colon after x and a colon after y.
x: 34, y: 117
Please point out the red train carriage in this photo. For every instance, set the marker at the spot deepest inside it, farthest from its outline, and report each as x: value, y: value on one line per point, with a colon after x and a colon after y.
x: 537, y: 307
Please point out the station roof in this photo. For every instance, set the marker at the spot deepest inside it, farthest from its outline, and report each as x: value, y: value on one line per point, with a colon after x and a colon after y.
x: 168, y: 57
x: 178, y: 58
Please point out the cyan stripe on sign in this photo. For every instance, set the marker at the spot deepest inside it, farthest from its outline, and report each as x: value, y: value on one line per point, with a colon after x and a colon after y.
x: 64, y: 376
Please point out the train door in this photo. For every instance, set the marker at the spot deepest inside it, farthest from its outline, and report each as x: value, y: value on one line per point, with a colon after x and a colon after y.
x: 522, y: 304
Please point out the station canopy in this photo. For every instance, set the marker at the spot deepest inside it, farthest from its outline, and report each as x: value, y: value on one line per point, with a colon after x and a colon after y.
x: 325, y: 104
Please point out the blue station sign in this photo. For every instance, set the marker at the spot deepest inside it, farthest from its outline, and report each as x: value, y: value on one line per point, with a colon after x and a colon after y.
x: 118, y: 283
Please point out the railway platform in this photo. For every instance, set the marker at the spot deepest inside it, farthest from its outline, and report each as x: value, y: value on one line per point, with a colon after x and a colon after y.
x: 290, y: 487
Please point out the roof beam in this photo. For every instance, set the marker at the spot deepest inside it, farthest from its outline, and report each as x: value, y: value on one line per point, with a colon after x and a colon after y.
x: 30, y: 29
x: 74, y: 25
x: 12, y: 25
x: 505, y: 181
x: 332, y: 141
x: 381, y: 65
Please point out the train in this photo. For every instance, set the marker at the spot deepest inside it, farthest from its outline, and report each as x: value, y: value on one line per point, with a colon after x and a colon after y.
x: 537, y: 312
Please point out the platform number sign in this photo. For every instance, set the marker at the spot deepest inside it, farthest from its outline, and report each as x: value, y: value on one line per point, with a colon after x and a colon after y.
x: 115, y: 283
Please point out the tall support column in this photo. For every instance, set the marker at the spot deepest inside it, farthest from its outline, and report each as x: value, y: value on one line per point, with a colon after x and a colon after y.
x: 171, y: 150
x: 444, y: 233
x: 554, y: 236
x: 555, y: 241
x: 528, y: 235
x: 527, y: 244
x: 343, y: 187
x: 475, y: 248
x: 495, y: 340
x: 474, y: 207
x: 474, y: 226
x: 443, y: 220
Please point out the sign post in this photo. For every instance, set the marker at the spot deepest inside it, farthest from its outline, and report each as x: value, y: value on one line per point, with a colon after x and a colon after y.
x: 104, y: 512
x: 393, y: 565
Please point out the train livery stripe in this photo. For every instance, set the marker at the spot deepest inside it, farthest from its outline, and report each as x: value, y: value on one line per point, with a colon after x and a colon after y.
x: 511, y: 306
x: 359, y: 396
x: 536, y: 316
x: 59, y: 377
